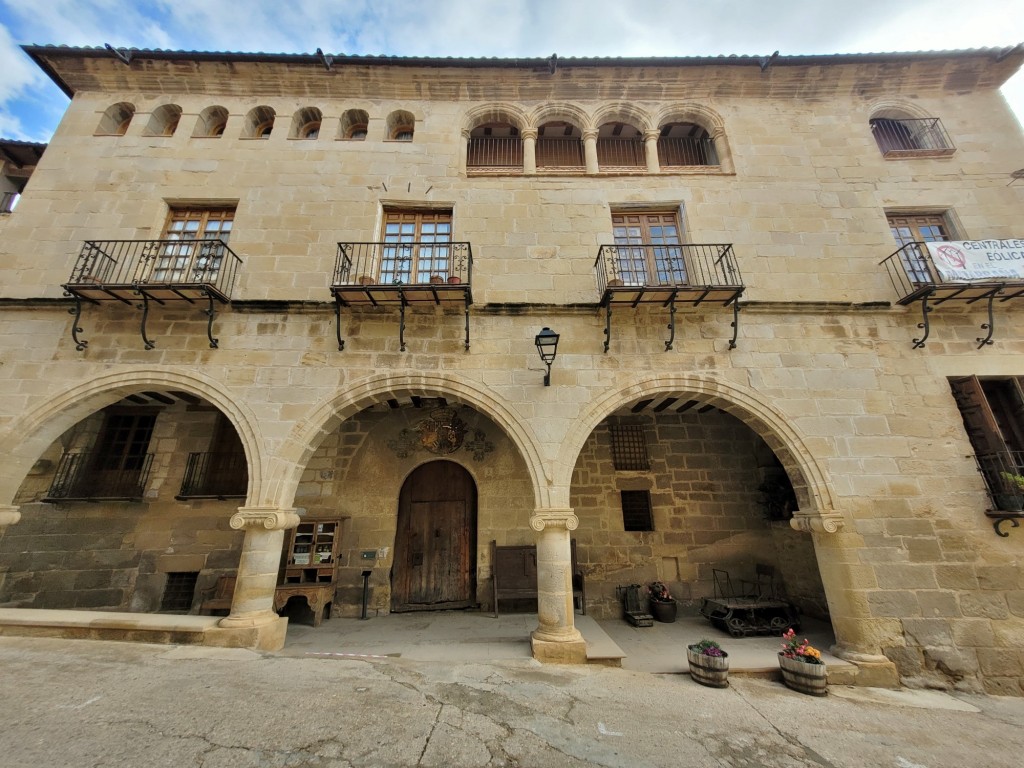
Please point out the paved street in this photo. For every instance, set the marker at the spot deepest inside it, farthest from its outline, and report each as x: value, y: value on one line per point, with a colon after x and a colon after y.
x: 86, y: 703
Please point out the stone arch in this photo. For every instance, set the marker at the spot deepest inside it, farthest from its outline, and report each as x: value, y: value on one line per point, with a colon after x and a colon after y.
x: 569, y: 113
x: 712, y: 127
x: 163, y: 121
x: 116, y: 119
x: 495, y: 113
x: 895, y: 109
x: 703, y: 116
x: 27, y: 437
x: 304, y: 440
x: 306, y: 123
x: 809, y: 480
x: 211, y: 122
x: 259, y: 123
x: 623, y: 112
x: 401, y: 125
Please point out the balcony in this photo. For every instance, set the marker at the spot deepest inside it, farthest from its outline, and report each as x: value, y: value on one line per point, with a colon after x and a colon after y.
x: 923, y: 137
x: 152, y: 270
x: 93, y: 476
x: 686, y: 152
x: 651, y: 273
x: 215, y: 476
x: 407, y: 274
x: 621, y: 155
x: 561, y: 155
x: 495, y: 154
x: 936, y: 273
x: 1004, y: 478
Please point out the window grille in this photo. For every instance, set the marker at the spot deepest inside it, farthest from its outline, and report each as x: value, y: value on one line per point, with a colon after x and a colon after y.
x: 629, y: 448
x: 178, y: 592
x: 636, y: 511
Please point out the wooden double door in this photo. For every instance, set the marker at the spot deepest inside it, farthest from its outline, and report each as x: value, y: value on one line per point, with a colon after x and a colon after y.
x: 435, y: 542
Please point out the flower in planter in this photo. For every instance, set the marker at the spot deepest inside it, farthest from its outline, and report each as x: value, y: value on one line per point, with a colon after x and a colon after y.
x: 708, y: 648
x: 799, y: 650
x: 659, y: 592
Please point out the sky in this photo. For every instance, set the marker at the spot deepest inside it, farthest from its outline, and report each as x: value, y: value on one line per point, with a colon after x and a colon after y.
x: 31, y: 105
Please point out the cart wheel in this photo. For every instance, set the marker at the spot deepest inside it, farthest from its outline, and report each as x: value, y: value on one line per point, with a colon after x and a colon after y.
x: 736, y: 628
x: 779, y: 625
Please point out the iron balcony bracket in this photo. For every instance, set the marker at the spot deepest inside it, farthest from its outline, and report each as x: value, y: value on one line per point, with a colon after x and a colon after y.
x: 925, y: 309
x: 145, y: 314
x: 671, y: 322
x: 211, y: 313
x: 990, y: 326
x: 735, y: 323
x: 80, y: 344
x: 467, y: 322
x: 607, y: 326
x: 401, y: 322
x: 337, y: 323
x: 1009, y: 518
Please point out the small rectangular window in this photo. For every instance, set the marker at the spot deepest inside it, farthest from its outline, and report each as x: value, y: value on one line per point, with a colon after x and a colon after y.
x: 629, y: 448
x: 178, y: 592
x: 636, y: 511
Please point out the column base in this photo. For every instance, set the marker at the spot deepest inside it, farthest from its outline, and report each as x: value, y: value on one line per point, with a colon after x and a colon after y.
x: 572, y: 651
x: 261, y: 632
x: 873, y: 670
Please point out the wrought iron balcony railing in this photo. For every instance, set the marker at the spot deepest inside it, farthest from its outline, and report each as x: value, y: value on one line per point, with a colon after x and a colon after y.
x: 157, y: 270
x: 92, y: 476
x: 564, y: 154
x: 621, y: 154
x: 684, y: 151
x: 1004, y: 478
x: 402, y: 274
x: 7, y: 201
x: 911, y: 137
x: 915, y: 277
x: 652, y: 273
x: 495, y: 154
x: 215, y: 476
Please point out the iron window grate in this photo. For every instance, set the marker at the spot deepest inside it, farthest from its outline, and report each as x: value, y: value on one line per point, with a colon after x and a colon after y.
x: 636, y: 511
x: 178, y: 592
x: 629, y: 448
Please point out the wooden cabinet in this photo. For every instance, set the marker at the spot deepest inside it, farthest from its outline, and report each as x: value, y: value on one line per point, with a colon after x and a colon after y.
x: 312, y: 552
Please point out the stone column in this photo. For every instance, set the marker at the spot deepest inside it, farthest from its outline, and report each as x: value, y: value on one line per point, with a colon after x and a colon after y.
x: 555, y: 640
x: 530, y: 151
x: 9, y: 515
x: 723, y: 151
x: 464, y: 160
x: 858, y: 635
x: 252, y: 606
x: 651, y: 151
x: 590, y: 150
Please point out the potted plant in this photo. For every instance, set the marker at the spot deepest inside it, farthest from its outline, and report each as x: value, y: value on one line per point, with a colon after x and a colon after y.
x: 709, y: 664
x: 802, y: 667
x: 1012, y: 497
x: 663, y: 605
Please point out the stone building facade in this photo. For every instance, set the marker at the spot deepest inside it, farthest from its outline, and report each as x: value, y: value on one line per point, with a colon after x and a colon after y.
x: 246, y: 292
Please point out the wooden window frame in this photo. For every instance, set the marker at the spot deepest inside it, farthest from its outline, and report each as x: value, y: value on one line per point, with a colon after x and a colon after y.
x: 427, y: 257
x: 646, y: 256
x: 176, y: 263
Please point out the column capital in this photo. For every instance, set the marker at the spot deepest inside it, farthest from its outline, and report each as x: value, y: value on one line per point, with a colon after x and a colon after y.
x: 554, y: 518
x: 826, y: 522
x: 652, y: 135
x: 590, y: 134
x: 9, y: 515
x: 266, y: 518
x: 528, y: 133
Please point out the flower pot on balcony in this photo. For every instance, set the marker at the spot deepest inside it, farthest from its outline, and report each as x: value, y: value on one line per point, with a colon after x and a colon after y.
x: 803, y: 676
x: 436, y: 280
x: 664, y: 610
x: 454, y: 280
x: 712, y: 671
x: 366, y: 280
x: 615, y: 283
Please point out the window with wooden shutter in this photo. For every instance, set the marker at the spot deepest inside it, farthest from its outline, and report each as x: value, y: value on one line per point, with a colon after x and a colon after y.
x: 184, y: 260
x: 911, y: 228
x: 417, y: 247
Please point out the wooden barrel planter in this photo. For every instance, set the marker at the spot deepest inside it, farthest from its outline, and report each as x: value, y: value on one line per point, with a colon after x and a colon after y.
x: 712, y: 671
x: 811, y: 679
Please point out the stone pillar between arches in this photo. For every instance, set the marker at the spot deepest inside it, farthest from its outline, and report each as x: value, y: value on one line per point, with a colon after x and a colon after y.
x: 530, y: 151
x: 651, y: 151
x: 590, y: 151
x: 252, y: 622
x: 555, y: 640
x: 858, y: 635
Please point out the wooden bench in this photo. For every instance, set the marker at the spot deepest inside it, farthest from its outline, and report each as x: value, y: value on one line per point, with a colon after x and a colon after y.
x: 218, y: 598
x: 514, y: 575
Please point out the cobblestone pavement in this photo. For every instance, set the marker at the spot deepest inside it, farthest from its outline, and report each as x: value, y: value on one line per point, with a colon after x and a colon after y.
x: 83, y: 704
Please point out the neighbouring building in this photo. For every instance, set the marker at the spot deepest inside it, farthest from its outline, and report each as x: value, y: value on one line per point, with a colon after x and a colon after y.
x: 274, y: 322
